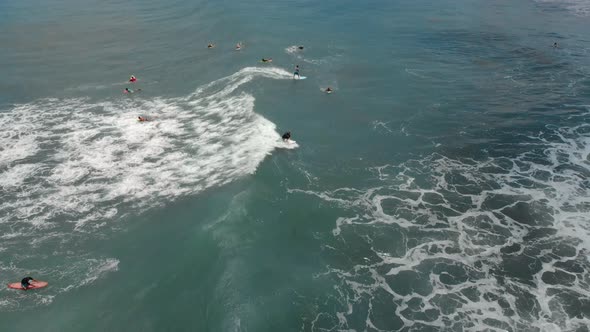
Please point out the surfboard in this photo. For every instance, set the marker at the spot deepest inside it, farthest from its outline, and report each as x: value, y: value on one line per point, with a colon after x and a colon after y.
x: 33, y: 285
x: 290, y: 141
x: 300, y: 78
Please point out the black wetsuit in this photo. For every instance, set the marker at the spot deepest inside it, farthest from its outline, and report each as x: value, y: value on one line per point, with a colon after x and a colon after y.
x: 25, y: 282
x: 286, y: 136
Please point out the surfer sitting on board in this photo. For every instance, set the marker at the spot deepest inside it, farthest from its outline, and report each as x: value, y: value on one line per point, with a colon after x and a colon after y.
x: 267, y: 60
x: 296, y: 73
x: 25, y: 283
x: 286, y: 136
x: 132, y: 79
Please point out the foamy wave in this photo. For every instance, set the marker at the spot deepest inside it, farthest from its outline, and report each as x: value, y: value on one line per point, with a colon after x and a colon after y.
x: 73, y: 165
x: 298, y: 54
x: 292, y: 49
x: 83, y: 156
x: 498, y: 244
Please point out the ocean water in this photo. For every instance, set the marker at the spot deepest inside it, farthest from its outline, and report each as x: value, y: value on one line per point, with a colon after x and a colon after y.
x: 443, y: 186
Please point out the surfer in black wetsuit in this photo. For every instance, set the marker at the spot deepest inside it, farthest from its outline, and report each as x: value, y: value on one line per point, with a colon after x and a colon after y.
x: 266, y: 60
x: 286, y: 136
x: 25, y: 283
x: 300, y: 47
x: 296, y: 73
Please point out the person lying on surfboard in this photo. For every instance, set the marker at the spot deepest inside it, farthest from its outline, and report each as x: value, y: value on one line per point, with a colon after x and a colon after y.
x: 266, y: 60
x: 328, y: 90
x: 210, y: 45
x: 132, y: 79
x: 25, y: 283
x: 129, y: 91
x: 296, y: 73
x: 286, y: 136
x: 142, y: 119
x: 238, y: 46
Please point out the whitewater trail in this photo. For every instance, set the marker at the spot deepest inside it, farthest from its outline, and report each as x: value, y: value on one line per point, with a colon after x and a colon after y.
x: 70, y: 166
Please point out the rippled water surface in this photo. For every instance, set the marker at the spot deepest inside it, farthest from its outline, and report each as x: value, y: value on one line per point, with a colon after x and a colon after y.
x: 443, y: 186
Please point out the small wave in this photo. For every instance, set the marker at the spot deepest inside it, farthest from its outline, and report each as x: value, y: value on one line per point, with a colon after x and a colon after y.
x: 85, y: 163
x: 578, y: 7
x: 292, y: 49
x: 495, y: 244
x: 299, y: 55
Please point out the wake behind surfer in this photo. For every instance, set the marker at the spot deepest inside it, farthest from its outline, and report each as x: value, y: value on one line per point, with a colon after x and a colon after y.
x: 26, y: 282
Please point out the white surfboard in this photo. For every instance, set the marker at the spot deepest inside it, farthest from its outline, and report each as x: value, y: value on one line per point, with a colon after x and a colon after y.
x: 300, y: 78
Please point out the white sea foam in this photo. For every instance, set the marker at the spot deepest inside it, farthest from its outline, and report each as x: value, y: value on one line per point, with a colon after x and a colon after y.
x: 70, y: 166
x: 498, y: 244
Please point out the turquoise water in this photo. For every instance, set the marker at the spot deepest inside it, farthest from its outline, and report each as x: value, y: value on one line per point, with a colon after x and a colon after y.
x: 443, y: 186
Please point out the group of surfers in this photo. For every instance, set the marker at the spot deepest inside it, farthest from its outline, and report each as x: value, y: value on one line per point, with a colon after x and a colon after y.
x: 239, y: 46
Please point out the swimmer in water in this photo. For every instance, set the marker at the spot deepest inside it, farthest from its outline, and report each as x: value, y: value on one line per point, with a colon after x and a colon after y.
x: 266, y: 60
x: 238, y: 46
x: 555, y: 45
x: 286, y: 136
x: 211, y: 46
x: 132, y: 79
x: 328, y: 90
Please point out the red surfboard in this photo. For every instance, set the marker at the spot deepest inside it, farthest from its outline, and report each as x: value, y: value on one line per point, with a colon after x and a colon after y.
x: 33, y: 285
